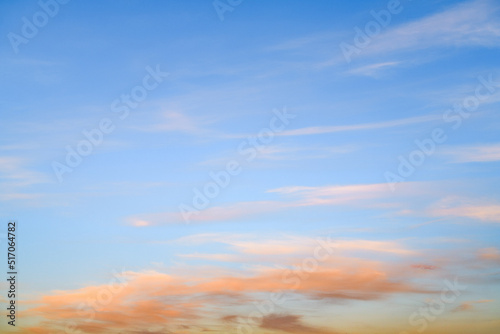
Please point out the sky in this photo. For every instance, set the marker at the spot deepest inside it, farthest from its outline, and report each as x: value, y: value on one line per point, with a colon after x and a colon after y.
x: 250, y: 166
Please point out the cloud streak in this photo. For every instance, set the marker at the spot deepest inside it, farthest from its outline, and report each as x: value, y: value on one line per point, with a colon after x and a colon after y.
x: 453, y: 206
x: 473, y: 23
x: 315, y: 130
x: 479, y: 153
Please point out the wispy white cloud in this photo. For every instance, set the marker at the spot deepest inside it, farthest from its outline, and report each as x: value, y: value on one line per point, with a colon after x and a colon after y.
x: 478, y: 153
x: 260, y: 247
x: 175, y: 121
x: 277, y: 153
x: 363, y: 195
x: 415, y: 199
x: 373, y: 70
x: 19, y: 196
x: 19, y: 146
x: 17, y: 176
x: 282, y: 152
x: 334, y: 194
x: 305, y: 42
x: 473, y: 23
x: 477, y: 209
x: 14, y: 172
x: 302, y: 196
x: 228, y: 212
x: 468, y: 24
x: 314, y: 130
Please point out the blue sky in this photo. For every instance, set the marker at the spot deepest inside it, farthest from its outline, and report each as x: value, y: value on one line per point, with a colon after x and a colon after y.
x: 324, y: 173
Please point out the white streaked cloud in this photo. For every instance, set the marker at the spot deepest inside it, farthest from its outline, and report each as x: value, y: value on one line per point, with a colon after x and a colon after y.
x: 360, y: 196
x: 314, y: 130
x: 488, y: 213
x: 413, y: 199
x: 478, y: 153
x: 373, y: 70
x: 476, y: 209
x: 334, y: 194
x: 175, y: 121
x: 15, y: 172
x: 306, y: 42
x: 17, y: 177
x: 286, y: 245
x: 228, y: 212
x: 469, y: 24
x: 277, y: 153
x: 472, y: 23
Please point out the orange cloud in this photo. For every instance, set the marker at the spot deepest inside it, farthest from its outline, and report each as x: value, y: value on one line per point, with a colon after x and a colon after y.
x: 468, y: 306
x: 289, y: 324
x: 424, y: 266
x: 490, y: 254
x: 199, y: 301
x: 134, y: 301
